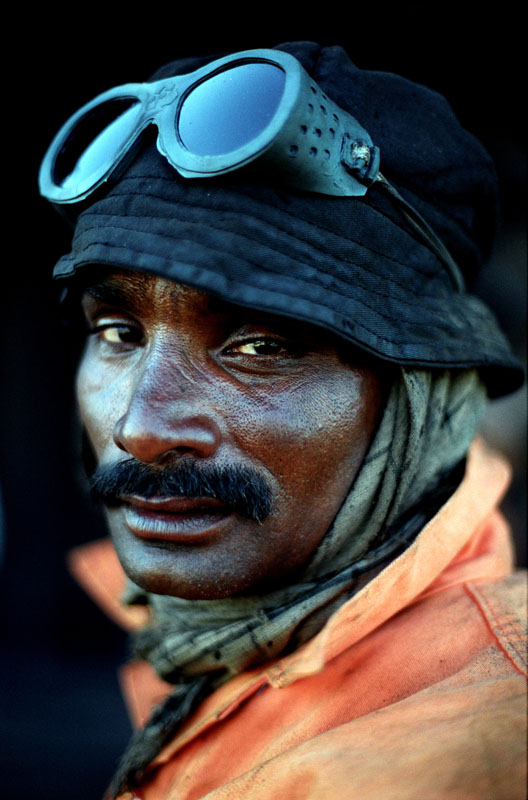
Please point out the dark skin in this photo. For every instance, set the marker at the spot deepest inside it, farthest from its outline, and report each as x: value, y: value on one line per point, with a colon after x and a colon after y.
x: 171, y: 373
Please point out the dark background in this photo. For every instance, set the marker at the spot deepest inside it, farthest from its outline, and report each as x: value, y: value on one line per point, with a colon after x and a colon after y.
x: 62, y: 721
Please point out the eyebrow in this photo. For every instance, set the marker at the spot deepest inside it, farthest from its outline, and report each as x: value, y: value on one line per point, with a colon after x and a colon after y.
x: 111, y: 293
x: 129, y: 293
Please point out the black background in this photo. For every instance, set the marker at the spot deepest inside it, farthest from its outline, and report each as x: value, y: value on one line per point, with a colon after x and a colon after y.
x: 63, y: 723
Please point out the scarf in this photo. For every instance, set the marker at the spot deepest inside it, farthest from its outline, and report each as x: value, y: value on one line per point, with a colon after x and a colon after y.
x: 425, y: 430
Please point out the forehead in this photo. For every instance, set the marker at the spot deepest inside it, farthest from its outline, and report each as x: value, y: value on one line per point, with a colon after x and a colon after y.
x: 139, y: 290
x: 151, y: 296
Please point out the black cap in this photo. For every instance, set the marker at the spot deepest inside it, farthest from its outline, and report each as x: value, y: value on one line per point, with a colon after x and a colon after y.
x: 351, y: 265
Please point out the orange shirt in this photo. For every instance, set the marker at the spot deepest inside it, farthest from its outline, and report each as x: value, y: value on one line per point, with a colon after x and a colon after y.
x: 415, y: 689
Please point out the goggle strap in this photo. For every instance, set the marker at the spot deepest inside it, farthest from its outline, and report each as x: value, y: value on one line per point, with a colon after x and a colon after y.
x: 418, y: 223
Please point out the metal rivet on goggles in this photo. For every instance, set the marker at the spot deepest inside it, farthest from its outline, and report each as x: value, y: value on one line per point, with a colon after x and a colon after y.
x: 257, y: 104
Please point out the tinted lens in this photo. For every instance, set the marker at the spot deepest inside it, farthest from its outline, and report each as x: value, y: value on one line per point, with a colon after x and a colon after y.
x: 231, y: 108
x: 98, y: 136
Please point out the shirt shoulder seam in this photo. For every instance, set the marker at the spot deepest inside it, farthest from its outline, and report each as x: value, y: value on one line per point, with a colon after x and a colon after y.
x: 504, y: 624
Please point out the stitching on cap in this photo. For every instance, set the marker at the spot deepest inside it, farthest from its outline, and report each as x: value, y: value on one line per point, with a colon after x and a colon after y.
x: 269, y: 224
x: 314, y: 279
x: 416, y: 269
x: 165, y: 179
x: 315, y: 225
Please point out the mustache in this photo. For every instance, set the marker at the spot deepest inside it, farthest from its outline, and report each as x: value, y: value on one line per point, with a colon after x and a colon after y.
x: 239, y: 487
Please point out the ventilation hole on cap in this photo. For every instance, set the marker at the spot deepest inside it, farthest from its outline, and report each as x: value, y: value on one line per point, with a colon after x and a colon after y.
x: 332, y: 133
x: 318, y: 132
x: 336, y: 118
x: 310, y: 108
x: 314, y: 90
x: 304, y: 129
x: 323, y: 109
x: 326, y: 155
x: 293, y: 150
x: 313, y: 152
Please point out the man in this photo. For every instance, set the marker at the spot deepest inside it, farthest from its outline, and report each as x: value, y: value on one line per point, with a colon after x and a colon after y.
x: 281, y: 383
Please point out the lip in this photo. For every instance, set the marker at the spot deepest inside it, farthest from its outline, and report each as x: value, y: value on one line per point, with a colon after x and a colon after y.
x: 175, y: 519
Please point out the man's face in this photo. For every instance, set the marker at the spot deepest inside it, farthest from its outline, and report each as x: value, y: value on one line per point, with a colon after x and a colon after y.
x: 172, y: 376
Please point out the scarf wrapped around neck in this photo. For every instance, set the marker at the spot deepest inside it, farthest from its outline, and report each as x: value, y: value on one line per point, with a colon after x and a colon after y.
x: 425, y: 430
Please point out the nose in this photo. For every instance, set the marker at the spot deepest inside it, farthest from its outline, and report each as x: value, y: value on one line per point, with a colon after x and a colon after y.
x: 162, y: 417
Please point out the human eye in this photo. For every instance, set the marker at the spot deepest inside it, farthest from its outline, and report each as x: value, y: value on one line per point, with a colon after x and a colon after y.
x: 263, y: 346
x: 110, y: 324
x: 115, y: 334
x: 257, y: 350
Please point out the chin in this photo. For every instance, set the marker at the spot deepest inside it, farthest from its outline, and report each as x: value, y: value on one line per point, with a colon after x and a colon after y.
x: 194, y: 585
x: 187, y: 590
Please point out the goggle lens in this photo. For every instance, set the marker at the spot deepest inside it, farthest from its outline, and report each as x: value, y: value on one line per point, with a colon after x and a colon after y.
x: 98, y: 137
x: 230, y: 108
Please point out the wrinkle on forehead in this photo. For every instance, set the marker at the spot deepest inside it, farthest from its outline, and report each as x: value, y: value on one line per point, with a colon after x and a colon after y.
x: 135, y: 289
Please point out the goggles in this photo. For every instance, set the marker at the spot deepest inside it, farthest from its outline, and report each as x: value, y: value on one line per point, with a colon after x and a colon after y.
x: 256, y: 105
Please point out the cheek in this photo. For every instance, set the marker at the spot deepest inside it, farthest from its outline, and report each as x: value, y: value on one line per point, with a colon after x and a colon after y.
x: 99, y: 399
x: 313, y: 437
